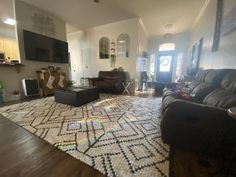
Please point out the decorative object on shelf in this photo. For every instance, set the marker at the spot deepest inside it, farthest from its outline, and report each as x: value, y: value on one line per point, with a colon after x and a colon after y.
x: 219, y: 14
x: 120, y: 69
x: 14, y: 61
x: 123, y: 46
x: 58, y: 69
x: 51, y: 69
x: 104, y: 48
x: 2, y: 56
x: 2, y: 61
x: 113, y: 53
x: 44, y: 24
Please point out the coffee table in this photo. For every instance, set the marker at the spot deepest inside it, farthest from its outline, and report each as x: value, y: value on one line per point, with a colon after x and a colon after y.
x: 76, y: 96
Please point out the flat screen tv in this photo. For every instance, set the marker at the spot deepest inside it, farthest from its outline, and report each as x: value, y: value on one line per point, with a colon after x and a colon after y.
x: 42, y: 48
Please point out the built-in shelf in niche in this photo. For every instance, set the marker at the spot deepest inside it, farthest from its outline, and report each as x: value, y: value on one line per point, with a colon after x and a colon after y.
x: 16, y: 66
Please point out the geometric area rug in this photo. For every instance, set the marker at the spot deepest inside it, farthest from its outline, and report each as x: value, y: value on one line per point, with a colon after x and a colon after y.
x: 117, y: 135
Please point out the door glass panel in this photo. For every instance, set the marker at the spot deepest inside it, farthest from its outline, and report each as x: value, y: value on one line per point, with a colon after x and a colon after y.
x: 165, y: 63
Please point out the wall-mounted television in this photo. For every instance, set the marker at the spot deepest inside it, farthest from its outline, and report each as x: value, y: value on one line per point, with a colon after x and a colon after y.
x: 46, y: 49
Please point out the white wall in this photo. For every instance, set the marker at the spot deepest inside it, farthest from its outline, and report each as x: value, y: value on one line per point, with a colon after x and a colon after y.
x: 77, y: 42
x: 88, y: 56
x: 112, y: 31
x: 84, y: 48
x: 24, y: 17
x: 226, y: 56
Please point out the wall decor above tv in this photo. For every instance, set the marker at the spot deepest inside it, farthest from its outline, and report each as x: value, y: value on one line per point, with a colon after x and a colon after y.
x: 45, y: 49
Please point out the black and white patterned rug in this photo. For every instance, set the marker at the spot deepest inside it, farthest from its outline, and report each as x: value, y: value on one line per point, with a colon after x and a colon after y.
x: 117, y: 135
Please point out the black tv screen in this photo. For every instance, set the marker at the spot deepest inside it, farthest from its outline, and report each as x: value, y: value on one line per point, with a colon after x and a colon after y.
x: 42, y: 48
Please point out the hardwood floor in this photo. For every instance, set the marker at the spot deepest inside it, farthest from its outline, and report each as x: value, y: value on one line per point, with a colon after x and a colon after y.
x: 189, y: 164
x: 25, y: 155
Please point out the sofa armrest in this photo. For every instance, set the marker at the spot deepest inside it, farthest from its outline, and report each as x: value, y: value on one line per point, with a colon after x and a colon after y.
x: 196, y: 127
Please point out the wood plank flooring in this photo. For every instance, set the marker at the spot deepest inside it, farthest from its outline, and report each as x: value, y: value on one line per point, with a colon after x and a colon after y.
x: 190, y: 164
x: 25, y: 155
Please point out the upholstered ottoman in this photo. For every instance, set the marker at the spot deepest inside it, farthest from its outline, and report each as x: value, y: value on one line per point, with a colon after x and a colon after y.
x: 76, y: 96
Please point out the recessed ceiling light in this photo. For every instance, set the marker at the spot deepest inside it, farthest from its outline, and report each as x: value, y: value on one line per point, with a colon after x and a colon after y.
x: 9, y: 21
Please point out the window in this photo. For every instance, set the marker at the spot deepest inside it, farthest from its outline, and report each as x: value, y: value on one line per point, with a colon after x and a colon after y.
x: 166, y: 47
x: 123, y: 45
x: 104, y: 48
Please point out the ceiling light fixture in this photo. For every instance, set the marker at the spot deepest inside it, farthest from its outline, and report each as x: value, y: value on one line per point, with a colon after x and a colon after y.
x: 122, y: 42
x: 96, y: 1
x: 9, y: 21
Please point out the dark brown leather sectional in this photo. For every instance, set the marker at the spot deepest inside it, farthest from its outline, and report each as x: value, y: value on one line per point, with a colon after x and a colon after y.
x: 201, y: 123
x: 110, y: 81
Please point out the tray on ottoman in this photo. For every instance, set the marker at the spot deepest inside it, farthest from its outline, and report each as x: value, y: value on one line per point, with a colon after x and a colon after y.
x: 76, y: 96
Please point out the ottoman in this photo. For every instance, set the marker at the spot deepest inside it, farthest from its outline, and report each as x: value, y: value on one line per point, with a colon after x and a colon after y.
x: 76, y: 96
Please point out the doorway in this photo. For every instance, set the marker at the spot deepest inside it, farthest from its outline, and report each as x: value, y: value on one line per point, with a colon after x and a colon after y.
x: 165, y: 66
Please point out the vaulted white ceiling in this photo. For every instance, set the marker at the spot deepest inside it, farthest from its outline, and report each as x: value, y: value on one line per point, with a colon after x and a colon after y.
x: 155, y: 14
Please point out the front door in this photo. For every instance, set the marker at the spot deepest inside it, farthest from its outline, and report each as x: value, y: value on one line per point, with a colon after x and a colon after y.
x: 165, y: 64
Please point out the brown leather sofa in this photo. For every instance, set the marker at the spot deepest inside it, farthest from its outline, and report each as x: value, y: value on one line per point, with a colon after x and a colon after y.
x: 201, y: 122
x: 110, y: 81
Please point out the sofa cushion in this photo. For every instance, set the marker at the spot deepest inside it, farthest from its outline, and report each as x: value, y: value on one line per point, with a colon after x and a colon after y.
x: 227, y: 102
x: 221, y: 98
x: 200, y: 76
x: 201, y: 91
x: 215, y: 77
x: 229, y: 81
x: 194, y: 84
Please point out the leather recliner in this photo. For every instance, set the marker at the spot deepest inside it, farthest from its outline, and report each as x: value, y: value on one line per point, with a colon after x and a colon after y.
x: 110, y: 81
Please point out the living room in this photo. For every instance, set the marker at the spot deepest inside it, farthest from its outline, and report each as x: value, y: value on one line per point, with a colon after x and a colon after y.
x: 117, y: 88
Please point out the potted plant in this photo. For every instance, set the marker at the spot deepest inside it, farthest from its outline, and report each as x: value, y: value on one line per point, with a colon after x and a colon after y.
x: 70, y: 83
